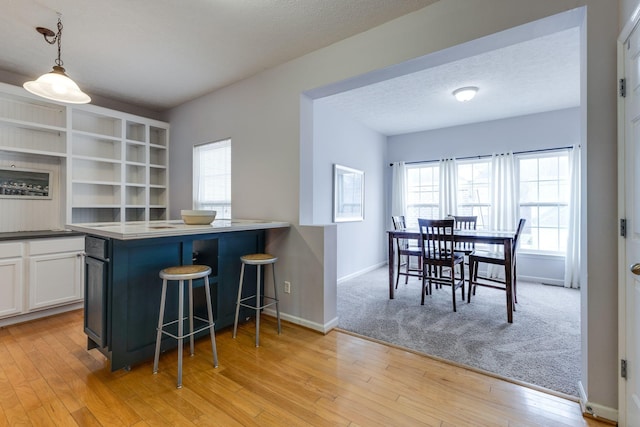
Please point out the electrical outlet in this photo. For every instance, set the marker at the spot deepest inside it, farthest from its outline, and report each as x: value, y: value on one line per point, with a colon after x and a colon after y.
x: 287, y: 287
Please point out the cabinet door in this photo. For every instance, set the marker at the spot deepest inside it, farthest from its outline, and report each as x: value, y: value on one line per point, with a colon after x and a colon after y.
x: 55, y: 279
x: 95, y: 300
x: 10, y: 286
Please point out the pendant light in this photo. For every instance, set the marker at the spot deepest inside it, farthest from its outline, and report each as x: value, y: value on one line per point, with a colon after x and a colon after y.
x: 56, y: 85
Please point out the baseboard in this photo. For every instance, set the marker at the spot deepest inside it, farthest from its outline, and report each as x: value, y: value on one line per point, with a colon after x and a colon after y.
x: 361, y: 272
x: 544, y: 280
x: 39, y: 314
x: 594, y: 410
x: 333, y: 323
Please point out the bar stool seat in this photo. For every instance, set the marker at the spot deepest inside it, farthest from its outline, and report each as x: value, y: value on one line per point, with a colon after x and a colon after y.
x: 180, y: 274
x: 258, y: 260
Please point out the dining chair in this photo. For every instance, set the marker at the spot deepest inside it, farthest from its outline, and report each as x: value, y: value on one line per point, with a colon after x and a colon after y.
x: 494, y: 258
x: 438, y: 246
x: 465, y: 223
x: 406, y: 249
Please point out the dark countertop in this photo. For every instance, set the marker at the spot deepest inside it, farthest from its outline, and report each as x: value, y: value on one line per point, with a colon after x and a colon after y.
x: 39, y: 234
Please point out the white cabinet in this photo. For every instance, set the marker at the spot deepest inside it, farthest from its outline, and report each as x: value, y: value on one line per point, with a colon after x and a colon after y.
x: 11, y: 289
x: 55, y: 271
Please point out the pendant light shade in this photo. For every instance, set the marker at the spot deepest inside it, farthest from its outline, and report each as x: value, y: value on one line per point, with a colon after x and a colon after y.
x: 56, y: 85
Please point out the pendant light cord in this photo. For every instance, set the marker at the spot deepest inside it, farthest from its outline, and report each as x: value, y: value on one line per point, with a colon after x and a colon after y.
x: 56, y: 38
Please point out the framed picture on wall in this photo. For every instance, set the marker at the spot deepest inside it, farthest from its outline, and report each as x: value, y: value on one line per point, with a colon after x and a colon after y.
x: 348, y: 194
x: 25, y: 184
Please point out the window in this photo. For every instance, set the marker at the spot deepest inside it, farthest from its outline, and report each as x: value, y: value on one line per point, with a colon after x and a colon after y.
x: 544, y: 200
x: 423, y: 193
x: 212, y: 177
x: 474, y: 197
x: 543, y: 196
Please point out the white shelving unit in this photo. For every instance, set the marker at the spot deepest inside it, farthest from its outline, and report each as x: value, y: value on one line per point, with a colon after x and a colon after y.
x: 114, y: 159
x: 30, y: 126
x: 115, y: 165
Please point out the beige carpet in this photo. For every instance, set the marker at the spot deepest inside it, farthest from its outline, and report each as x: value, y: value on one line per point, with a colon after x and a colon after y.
x: 541, y: 346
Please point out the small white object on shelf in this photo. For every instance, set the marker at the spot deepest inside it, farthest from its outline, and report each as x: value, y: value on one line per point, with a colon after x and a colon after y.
x: 197, y: 217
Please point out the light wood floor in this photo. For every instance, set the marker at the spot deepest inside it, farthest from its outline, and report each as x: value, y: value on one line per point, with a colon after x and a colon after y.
x: 300, y: 378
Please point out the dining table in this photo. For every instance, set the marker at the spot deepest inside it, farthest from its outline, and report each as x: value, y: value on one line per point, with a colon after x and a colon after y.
x: 492, y: 237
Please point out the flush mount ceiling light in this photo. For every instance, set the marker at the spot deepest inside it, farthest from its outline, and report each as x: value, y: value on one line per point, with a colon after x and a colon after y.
x: 465, y: 94
x: 56, y: 85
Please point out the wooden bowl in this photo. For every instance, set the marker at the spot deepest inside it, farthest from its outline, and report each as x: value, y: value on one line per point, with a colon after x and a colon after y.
x: 197, y: 217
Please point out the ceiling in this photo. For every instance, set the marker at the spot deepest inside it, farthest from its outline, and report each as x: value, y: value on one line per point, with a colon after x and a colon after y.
x: 158, y: 54
x: 537, y: 75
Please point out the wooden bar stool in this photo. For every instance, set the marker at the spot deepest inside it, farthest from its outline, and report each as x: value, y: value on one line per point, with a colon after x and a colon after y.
x: 180, y: 274
x: 258, y: 260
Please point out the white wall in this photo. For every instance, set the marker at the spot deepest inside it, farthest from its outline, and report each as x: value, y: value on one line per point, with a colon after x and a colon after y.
x: 339, y: 139
x: 560, y: 128
x: 262, y: 116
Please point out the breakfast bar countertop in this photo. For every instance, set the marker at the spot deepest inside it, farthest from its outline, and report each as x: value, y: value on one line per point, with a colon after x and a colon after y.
x: 144, y: 230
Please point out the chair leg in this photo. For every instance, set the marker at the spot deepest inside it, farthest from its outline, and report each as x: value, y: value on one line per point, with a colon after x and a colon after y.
x: 515, y: 286
x: 462, y: 279
x: 453, y: 289
x: 398, y: 270
x: 407, y: 267
x: 424, y: 288
x: 472, y: 277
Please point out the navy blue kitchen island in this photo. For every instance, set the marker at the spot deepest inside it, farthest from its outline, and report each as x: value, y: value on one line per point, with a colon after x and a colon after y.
x: 122, y: 286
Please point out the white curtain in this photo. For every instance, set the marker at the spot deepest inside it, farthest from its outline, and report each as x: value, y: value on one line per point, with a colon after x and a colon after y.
x: 448, y: 187
x: 398, y: 189
x: 504, y: 211
x: 572, y: 257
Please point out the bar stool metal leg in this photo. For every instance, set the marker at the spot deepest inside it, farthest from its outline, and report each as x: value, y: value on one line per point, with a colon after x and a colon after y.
x: 212, y: 332
x: 235, y: 322
x: 163, y: 299
x: 258, y: 308
x: 191, y: 345
x: 275, y: 294
x: 180, y: 331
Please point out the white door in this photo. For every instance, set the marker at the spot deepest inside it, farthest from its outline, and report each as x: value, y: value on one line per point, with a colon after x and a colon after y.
x: 630, y: 401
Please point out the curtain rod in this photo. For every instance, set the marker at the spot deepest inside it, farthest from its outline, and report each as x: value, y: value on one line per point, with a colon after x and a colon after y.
x: 541, y: 150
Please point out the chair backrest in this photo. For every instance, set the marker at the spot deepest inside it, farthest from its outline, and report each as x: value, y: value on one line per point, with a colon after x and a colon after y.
x: 465, y: 223
x: 516, y: 238
x: 436, y: 236
x: 398, y: 222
